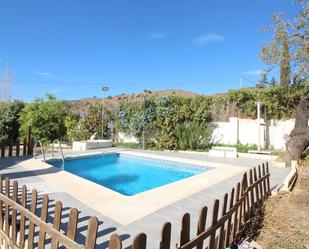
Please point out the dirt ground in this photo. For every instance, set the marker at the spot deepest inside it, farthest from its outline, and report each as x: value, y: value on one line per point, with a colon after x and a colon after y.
x: 286, y: 222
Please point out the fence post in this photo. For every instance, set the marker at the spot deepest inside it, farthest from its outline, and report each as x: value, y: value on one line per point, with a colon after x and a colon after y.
x: 201, y: 225
x: 229, y: 227
x: 17, y: 147
x: 214, y: 221
x: 34, y: 198
x: 139, y: 241
x: 7, y: 212
x: 72, y: 226
x: 25, y: 147
x: 23, y: 218
x: 165, y: 242
x: 115, y: 242
x: 268, y: 185
x: 185, y: 229
x: 2, y: 150
x: 14, y: 213
x: 92, y: 233
x: 222, y: 229
x: 44, y: 213
x: 10, y: 147
x: 29, y: 141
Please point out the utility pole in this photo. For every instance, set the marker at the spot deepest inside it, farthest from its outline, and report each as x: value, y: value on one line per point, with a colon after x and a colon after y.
x: 104, y: 89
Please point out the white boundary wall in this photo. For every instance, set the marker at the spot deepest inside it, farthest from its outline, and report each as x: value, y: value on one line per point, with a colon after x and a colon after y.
x: 245, y: 131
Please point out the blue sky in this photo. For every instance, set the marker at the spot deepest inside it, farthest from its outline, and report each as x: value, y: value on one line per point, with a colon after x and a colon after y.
x: 72, y: 47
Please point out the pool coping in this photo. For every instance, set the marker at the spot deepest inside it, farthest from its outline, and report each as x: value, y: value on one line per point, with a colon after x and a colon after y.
x: 127, y: 209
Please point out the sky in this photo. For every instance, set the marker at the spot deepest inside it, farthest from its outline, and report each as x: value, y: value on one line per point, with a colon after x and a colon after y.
x: 71, y: 48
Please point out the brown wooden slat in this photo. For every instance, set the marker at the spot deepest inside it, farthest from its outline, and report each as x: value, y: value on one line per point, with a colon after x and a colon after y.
x: 7, y: 211
x: 201, y: 224
x: 222, y: 229
x: 14, y: 213
x: 29, y: 141
x: 56, y: 223
x: 165, y: 242
x: 242, y: 204
x: 34, y: 197
x: 2, y: 150
x: 17, y: 147
x: 72, y: 225
x: 236, y: 211
x: 260, y: 184
x: 25, y: 147
x: 115, y: 242
x: 44, y: 213
x: 264, y: 181
x: 139, y: 241
x: 247, y: 198
x: 1, y: 206
x: 251, y: 194
x: 92, y: 233
x: 22, y: 218
x: 229, y: 227
x: 10, y: 147
x: 268, y: 184
x: 256, y: 189
x: 214, y: 221
x: 185, y: 229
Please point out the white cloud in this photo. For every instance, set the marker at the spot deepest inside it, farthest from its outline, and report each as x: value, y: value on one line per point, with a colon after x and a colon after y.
x: 208, y: 38
x: 45, y: 74
x: 157, y: 36
x: 254, y: 72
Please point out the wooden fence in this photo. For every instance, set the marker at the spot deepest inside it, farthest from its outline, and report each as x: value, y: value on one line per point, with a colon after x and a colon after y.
x: 237, y: 211
x: 17, y: 147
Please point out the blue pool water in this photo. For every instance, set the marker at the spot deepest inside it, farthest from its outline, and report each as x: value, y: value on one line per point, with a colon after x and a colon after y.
x: 128, y: 175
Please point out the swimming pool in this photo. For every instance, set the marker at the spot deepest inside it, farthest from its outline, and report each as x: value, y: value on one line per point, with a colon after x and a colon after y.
x: 128, y: 175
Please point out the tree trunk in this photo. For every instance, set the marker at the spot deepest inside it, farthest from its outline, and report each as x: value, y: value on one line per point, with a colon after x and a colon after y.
x: 298, y: 141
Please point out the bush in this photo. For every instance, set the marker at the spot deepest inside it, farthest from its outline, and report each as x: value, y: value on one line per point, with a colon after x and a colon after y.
x: 46, y: 117
x: 193, y: 135
x: 9, y: 115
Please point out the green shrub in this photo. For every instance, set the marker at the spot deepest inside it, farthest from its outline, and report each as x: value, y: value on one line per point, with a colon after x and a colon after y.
x: 9, y: 115
x: 193, y: 135
x: 46, y: 117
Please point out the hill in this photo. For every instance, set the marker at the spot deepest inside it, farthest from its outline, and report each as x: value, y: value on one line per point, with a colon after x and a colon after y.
x: 110, y: 102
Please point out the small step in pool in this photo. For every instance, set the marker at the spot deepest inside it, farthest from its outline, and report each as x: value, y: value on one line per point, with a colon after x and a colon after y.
x: 128, y: 175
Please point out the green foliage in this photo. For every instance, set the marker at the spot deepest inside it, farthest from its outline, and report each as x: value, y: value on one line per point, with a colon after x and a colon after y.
x: 9, y: 115
x: 293, y: 33
x: 285, y: 71
x: 193, y: 135
x: 74, y: 127
x: 159, y: 116
x: 46, y: 117
x: 242, y: 148
x: 128, y: 145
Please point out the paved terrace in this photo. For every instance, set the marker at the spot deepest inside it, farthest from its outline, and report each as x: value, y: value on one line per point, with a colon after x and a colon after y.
x: 151, y: 223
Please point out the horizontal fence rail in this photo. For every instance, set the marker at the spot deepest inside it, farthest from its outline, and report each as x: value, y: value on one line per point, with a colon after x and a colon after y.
x: 20, y: 219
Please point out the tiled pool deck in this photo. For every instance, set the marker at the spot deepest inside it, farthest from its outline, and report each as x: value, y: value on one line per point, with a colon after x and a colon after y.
x: 146, y: 212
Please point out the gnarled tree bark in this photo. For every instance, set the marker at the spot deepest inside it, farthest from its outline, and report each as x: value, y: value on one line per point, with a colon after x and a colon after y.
x: 298, y: 140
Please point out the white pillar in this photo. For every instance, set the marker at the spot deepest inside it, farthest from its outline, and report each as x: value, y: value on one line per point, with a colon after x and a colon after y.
x: 259, y: 124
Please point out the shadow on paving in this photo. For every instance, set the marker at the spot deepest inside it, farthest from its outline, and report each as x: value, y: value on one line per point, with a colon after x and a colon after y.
x: 82, y: 225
